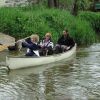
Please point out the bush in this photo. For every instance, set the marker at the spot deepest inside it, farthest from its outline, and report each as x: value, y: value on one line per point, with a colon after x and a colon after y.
x: 82, y: 32
x: 93, y: 18
x: 22, y: 22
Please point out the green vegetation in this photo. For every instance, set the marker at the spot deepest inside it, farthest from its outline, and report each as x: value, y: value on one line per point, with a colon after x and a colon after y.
x: 92, y: 18
x: 22, y: 22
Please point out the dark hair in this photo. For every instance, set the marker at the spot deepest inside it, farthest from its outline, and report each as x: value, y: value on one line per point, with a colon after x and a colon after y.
x: 66, y: 30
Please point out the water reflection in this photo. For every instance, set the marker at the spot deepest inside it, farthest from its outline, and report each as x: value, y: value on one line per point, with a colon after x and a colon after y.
x: 77, y: 79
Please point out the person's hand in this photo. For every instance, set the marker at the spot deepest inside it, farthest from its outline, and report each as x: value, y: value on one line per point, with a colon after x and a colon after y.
x: 46, y: 49
x: 19, y: 41
x: 57, y: 45
x: 42, y: 46
x: 63, y: 46
x: 22, y: 40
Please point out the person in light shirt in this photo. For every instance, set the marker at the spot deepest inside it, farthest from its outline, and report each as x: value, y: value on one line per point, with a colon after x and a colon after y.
x: 47, y: 45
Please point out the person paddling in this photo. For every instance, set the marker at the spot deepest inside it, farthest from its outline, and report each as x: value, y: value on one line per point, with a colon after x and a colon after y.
x: 32, y: 46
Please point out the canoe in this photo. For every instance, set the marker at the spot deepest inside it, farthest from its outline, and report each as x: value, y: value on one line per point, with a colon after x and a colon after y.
x: 25, y: 62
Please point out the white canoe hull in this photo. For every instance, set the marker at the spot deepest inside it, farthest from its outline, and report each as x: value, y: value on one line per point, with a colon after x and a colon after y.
x: 17, y: 62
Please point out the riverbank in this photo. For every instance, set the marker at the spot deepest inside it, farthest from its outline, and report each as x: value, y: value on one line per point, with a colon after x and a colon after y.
x: 6, y: 39
x: 24, y: 21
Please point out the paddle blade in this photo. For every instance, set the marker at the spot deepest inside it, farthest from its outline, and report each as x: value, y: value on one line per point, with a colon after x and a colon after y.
x: 3, y: 47
x: 36, y: 52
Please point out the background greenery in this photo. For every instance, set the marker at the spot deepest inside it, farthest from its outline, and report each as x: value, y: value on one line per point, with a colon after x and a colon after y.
x: 24, y: 21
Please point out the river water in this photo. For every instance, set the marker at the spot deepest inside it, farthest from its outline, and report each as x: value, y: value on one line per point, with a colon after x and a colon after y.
x: 76, y: 79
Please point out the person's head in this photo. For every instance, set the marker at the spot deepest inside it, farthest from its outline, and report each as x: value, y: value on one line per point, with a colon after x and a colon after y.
x: 34, y: 38
x: 65, y: 32
x: 48, y: 36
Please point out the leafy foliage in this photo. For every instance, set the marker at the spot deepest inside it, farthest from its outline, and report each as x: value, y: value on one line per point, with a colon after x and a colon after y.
x: 92, y: 18
x: 22, y: 22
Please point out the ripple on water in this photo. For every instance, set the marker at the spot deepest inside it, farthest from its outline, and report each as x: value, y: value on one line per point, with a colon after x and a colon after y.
x: 17, y: 89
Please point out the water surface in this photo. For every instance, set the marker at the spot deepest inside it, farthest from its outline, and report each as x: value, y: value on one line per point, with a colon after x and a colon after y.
x: 77, y: 79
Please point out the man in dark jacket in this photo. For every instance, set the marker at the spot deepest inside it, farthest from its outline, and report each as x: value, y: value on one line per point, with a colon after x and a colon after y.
x: 64, y: 43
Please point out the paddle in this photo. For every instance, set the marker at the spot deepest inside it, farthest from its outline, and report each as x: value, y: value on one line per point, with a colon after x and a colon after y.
x: 36, y: 52
x: 3, y: 46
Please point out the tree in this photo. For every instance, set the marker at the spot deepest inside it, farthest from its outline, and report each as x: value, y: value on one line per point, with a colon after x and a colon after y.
x: 50, y: 3
x: 75, y: 8
x: 80, y: 5
x: 56, y: 3
x: 53, y: 3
